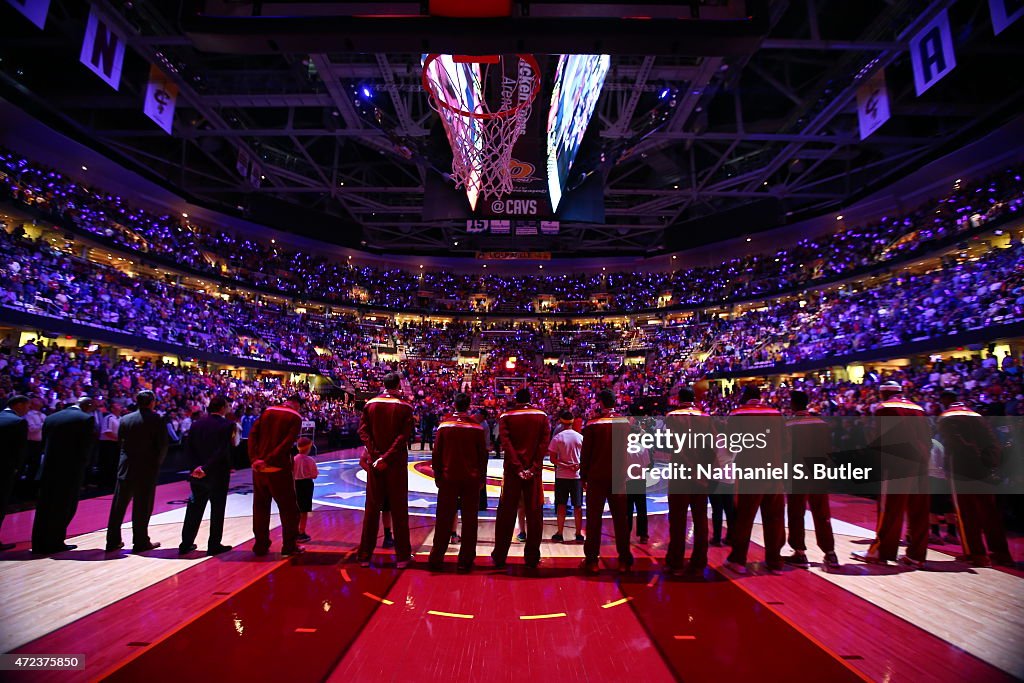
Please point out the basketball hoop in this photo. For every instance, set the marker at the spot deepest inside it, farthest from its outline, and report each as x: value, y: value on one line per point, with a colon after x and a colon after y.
x: 482, y: 135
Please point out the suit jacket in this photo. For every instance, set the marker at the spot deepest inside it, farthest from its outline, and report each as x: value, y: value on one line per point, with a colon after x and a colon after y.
x: 68, y: 437
x: 144, y: 439
x: 209, y: 445
x: 13, y: 438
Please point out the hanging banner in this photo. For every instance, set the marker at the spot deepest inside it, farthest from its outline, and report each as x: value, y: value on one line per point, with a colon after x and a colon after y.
x: 34, y: 10
x: 161, y: 96
x: 1004, y: 13
x: 931, y: 52
x: 872, y: 104
x: 103, y: 49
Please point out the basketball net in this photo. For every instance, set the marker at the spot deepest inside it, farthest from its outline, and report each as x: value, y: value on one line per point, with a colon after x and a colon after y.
x: 482, y: 136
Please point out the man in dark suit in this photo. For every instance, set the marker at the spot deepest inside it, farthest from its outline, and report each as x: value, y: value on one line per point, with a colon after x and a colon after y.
x: 208, y: 452
x: 13, y: 445
x: 143, y: 438
x: 68, y: 437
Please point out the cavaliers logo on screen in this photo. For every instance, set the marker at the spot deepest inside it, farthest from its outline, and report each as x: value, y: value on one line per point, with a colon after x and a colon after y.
x: 521, y: 171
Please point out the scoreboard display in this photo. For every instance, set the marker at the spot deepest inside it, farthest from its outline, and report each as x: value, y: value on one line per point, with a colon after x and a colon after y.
x: 518, y: 228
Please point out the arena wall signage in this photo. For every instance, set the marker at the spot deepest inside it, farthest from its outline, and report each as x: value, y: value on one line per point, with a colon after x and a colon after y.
x: 36, y: 10
x: 103, y: 49
x: 931, y: 52
x: 514, y: 255
x: 1004, y: 13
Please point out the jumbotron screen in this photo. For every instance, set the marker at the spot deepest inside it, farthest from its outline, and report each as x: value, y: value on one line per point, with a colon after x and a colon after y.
x: 578, y: 82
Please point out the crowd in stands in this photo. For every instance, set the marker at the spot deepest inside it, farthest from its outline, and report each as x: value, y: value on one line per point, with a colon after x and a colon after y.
x: 212, y: 250
x: 40, y: 278
x: 54, y: 377
x: 960, y: 294
x: 963, y: 295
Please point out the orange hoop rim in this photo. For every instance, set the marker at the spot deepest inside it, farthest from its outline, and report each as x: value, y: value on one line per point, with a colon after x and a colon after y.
x: 487, y: 116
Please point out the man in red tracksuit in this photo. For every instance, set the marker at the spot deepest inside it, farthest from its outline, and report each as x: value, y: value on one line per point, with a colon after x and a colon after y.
x: 690, y: 494
x: 459, y: 461
x: 810, y: 441
x: 601, y: 481
x: 524, y: 433
x: 753, y: 417
x: 904, y: 442
x: 972, y: 454
x: 385, y: 428
x: 270, y: 454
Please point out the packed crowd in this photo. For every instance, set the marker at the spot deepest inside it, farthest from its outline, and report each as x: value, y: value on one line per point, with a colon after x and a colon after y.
x: 55, y: 378
x: 40, y: 278
x: 212, y: 250
x: 961, y: 296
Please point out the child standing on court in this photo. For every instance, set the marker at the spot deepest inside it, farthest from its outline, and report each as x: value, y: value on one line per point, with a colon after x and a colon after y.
x: 305, y: 472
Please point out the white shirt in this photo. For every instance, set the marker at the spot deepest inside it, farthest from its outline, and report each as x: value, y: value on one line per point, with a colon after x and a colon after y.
x: 304, y: 467
x: 565, y: 450
x: 35, y: 425
x: 111, y: 423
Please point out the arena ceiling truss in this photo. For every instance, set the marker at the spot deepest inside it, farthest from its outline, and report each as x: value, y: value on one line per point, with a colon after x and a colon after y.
x: 760, y: 125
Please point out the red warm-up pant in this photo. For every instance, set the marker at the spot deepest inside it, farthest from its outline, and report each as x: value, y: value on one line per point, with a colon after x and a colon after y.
x: 279, y: 487
x: 894, y: 506
x: 392, y: 485
x: 448, y: 494
x: 772, y: 506
x: 821, y: 514
x: 979, y: 517
x: 531, y: 492
x: 599, y: 493
x: 677, y: 506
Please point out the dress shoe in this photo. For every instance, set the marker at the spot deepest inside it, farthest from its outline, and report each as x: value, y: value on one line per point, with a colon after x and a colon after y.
x: 588, y: 567
x: 186, y: 549
x: 297, y: 550
x: 218, y: 549
x: 303, y: 538
x: 145, y: 548
x: 114, y: 548
x: 52, y: 551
